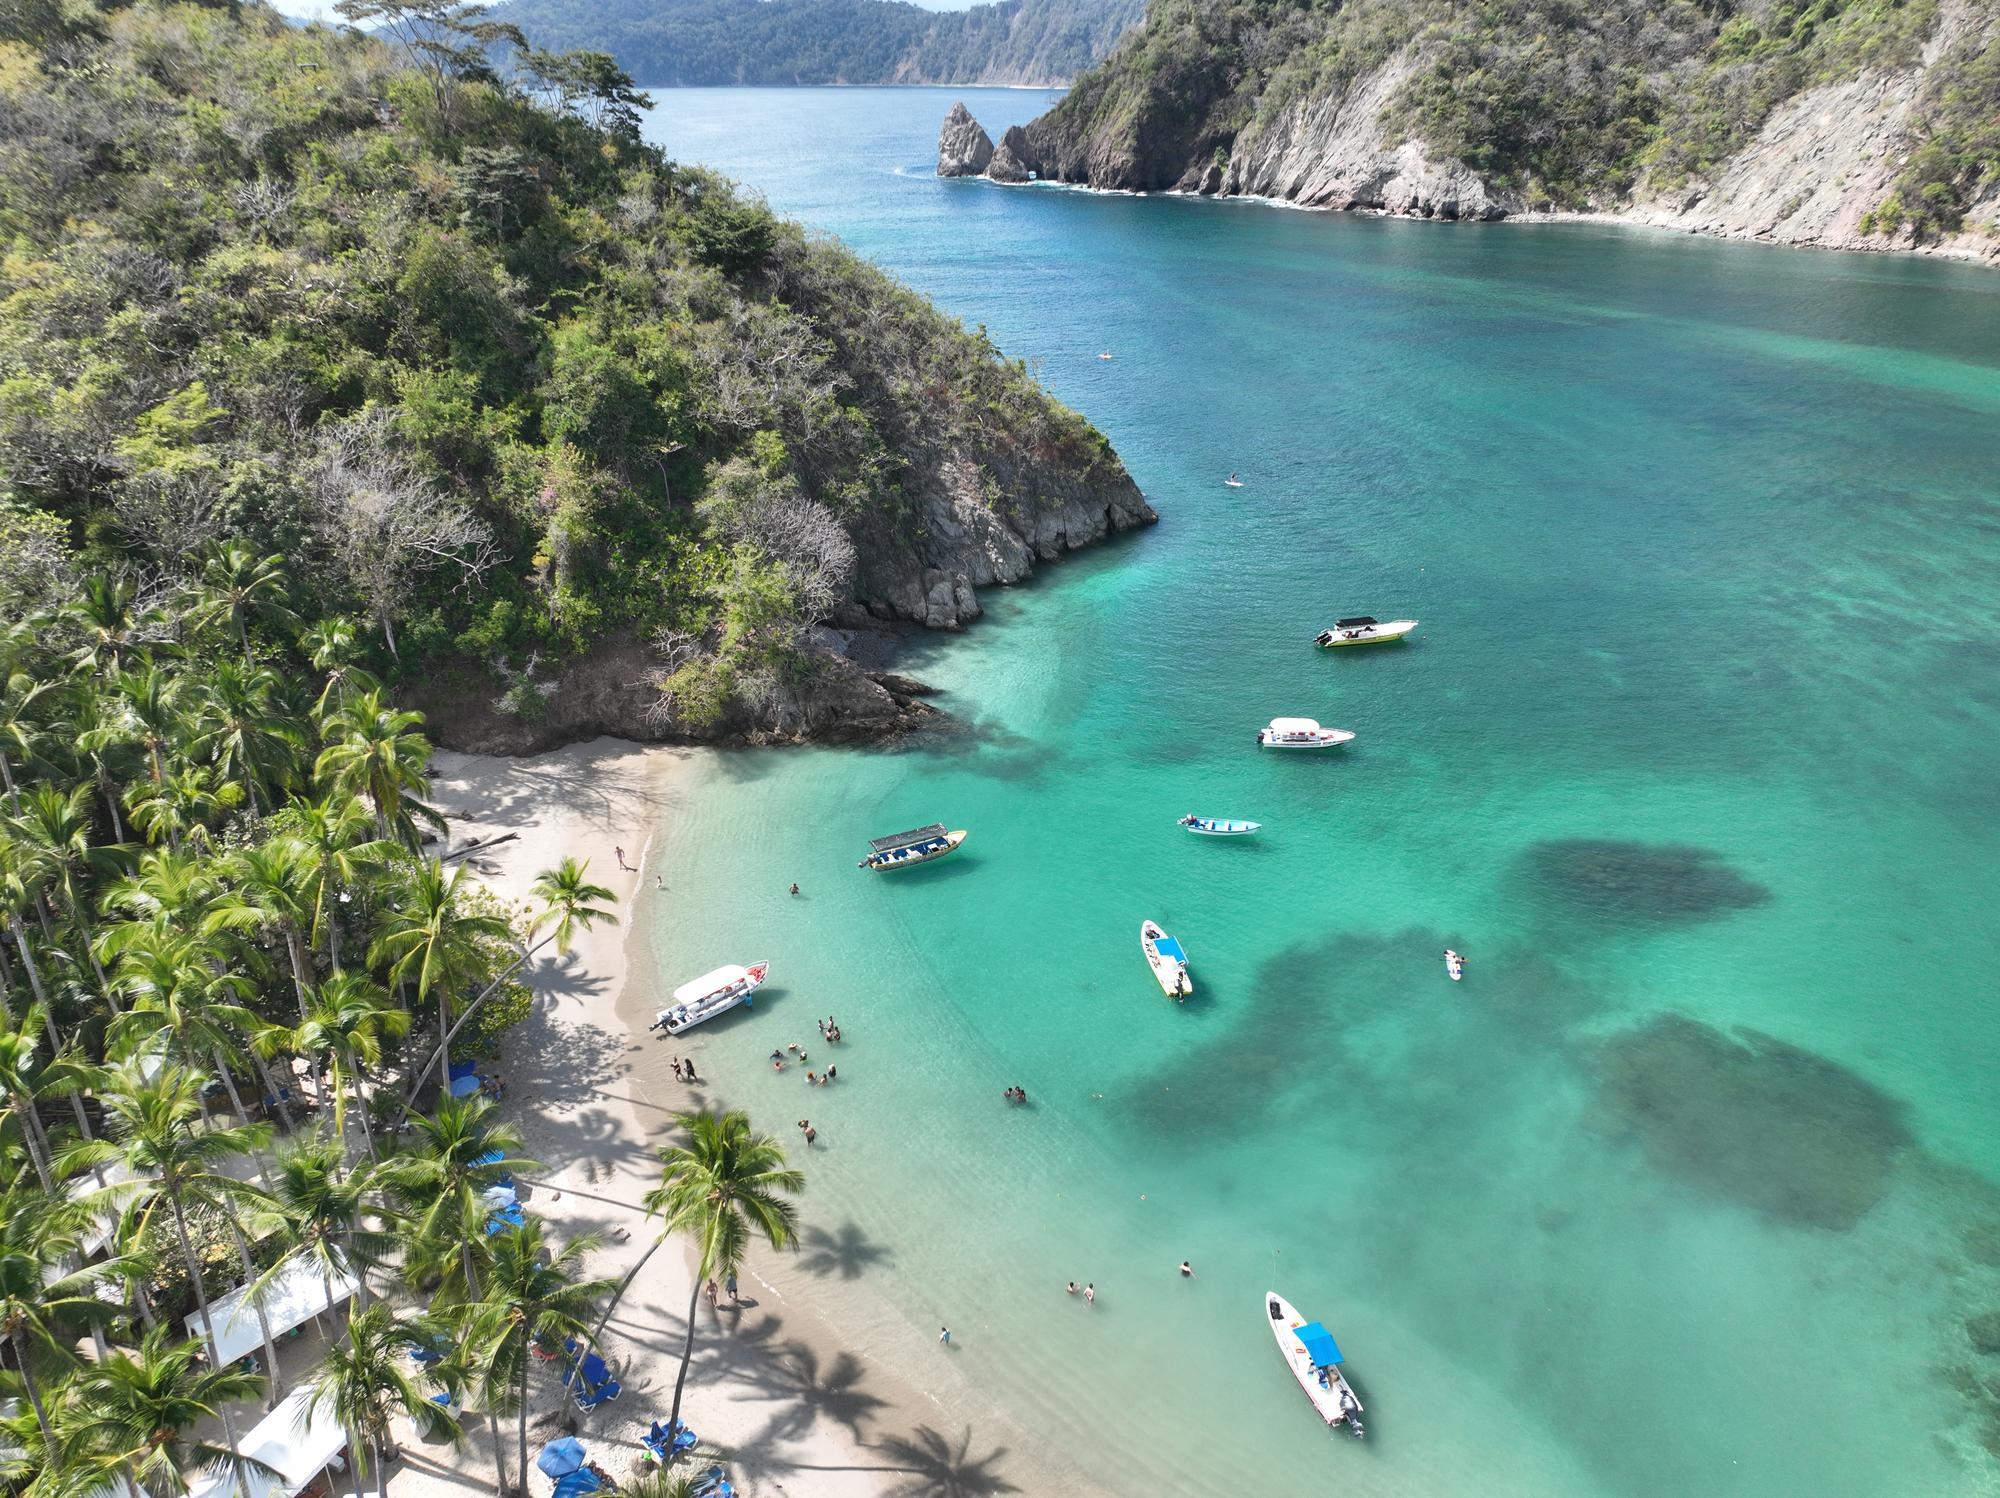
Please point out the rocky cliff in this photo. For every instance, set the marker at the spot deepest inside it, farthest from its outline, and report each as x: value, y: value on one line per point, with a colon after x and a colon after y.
x: 1881, y: 132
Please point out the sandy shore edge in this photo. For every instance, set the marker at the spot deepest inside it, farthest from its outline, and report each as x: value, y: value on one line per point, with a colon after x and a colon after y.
x: 592, y: 1095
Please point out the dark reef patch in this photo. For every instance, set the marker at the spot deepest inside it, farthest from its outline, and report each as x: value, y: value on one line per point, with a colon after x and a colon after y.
x: 1668, y: 883
x: 1752, y: 1120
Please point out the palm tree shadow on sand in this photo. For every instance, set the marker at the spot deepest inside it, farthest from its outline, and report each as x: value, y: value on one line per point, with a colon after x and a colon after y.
x: 936, y: 1467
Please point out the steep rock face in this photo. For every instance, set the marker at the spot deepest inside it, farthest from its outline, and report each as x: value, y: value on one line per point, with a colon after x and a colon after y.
x: 981, y: 524
x: 1010, y: 162
x: 1331, y: 150
x: 964, y: 149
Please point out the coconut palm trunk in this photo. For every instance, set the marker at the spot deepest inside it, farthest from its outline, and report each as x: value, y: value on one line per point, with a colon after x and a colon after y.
x: 207, y: 1330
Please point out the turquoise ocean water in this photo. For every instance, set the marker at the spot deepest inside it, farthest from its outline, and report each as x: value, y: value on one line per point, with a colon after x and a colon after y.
x: 1699, y: 737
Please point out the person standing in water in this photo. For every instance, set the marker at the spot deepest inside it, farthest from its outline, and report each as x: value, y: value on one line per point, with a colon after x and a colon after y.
x: 1090, y: 1294
x: 944, y: 1336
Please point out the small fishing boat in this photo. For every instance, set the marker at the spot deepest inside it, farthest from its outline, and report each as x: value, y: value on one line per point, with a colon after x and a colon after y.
x: 701, y: 999
x: 1454, y: 964
x: 1105, y: 355
x: 1232, y: 482
x: 1167, y: 960
x: 1363, y: 630
x: 1218, y: 826
x: 1300, y: 733
x: 918, y: 845
x: 1314, y: 1358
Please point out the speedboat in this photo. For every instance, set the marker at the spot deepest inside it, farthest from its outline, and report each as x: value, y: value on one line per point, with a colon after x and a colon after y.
x: 918, y: 845
x: 1300, y: 733
x: 1454, y: 964
x: 1363, y: 630
x: 1167, y: 960
x: 703, y: 998
x: 1218, y: 826
x: 1314, y: 1358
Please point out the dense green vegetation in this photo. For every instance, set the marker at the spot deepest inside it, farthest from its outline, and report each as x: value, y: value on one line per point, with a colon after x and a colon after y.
x: 500, y: 378
x: 232, y: 981
x: 1570, y: 104
x: 677, y: 43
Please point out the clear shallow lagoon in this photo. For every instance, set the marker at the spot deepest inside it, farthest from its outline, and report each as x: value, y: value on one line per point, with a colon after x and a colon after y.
x: 1702, y: 722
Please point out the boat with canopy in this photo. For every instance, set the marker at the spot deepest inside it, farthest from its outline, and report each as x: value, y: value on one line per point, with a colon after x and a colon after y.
x: 1301, y: 733
x: 702, y: 999
x: 1218, y: 826
x: 1167, y: 960
x: 1314, y: 1358
x: 918, y: 845
x: 1363, y: 629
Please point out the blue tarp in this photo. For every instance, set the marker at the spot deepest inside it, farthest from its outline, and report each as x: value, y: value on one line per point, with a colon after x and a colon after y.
x: 574, y: 1484
x: 463, y: 1069
x: 1319, y: 1344
x: 1170, y: 948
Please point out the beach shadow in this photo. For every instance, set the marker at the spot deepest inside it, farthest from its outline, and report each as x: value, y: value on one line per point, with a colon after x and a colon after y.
x: 848, y: 1253
x: 936, y: 1466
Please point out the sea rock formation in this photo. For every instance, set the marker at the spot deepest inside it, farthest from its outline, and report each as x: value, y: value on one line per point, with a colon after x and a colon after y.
x: 964, y: 149
x: 1010, y: 162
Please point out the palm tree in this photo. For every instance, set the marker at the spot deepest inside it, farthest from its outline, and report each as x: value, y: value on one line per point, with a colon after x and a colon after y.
x: 532, y: 1294
x: 21, y: 697
x: 721, y: 1187
x: 347, y: 1023
x: 365, y: 1379
x: 334, y: 646
x: 237, y: 583
x: 22, y: 1082
x: 338, y: 851
x: 133, y: 1416
x: 183, y: 806
x: 242, y: 728
x: 42, y: 1292
x: 429, y: 933
x: 329, y: 1215
x: 375, y: 750
x: 569, y: 903
x: 52, y: 832
x: 111, y: 629
x: 181, y: 991
x: 151, y: 1124
x: 104, y: 751
x: 438, y: 1178
x: 266, y: 894
x: 150, y: 698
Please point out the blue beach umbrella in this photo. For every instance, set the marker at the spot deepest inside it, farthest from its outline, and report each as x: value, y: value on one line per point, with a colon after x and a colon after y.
x: 561, y: 1457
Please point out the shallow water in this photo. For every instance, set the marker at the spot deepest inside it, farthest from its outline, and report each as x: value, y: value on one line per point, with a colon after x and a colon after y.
x: 1701, y: 721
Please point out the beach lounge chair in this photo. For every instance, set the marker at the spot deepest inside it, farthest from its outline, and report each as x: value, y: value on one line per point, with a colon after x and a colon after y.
x: 712, y: 1484
x: 505, y: 1219
x: 662, y: 1449
x: 609, y: 1390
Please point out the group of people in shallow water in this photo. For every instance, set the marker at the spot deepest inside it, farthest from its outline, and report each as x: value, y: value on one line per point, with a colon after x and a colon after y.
x: 684, y: 1070
x: 1015, y: 1094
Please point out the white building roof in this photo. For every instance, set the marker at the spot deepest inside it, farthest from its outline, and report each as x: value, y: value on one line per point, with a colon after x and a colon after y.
x: 298, y: 1294
x: 294, y: 1442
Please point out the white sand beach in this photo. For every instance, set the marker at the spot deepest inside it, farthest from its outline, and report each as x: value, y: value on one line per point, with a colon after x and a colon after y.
x: 593, y: 1096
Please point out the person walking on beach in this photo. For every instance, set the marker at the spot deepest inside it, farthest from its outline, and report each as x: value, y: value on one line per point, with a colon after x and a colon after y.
x: 621, y: 858
x: 676, y: 1064
x: 730, y: 1285
x: 687, y: 1067
x: 944, y: 1336
x: 711, y: 1293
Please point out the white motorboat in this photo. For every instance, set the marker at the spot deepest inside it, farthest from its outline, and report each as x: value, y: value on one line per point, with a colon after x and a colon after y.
x: 701, y: 999
x: 1314, y: 1358
x: 1454, y: 964
x: 1300, y: 733
x: 918, y: 845
x: 1168, y: 962
x: 1363, y: 630
x: 1218, y: 826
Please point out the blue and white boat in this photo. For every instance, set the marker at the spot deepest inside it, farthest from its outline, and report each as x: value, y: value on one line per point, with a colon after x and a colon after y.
x: 1218, y: 826
x: 918, y: 845
x: 1314, y: 1358
x: 1165, y: 957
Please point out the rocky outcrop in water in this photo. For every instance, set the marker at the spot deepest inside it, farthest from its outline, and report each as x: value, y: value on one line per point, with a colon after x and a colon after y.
x: 964, y: 149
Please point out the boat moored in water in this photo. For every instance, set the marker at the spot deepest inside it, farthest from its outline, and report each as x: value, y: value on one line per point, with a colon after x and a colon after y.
x: 918, y: 845
x: 1165, y: 957
x: 1218, y: 826
x: 1363, y: 630
x: 1314, y: 1358
x: 1300, y: 733
x: 701, y: 999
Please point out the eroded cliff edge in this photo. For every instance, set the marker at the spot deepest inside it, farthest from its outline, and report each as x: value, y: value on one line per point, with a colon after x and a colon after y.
x: 1875, y: 129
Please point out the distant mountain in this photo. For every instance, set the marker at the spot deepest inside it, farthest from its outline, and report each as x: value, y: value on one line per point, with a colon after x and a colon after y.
x: 677, y: 43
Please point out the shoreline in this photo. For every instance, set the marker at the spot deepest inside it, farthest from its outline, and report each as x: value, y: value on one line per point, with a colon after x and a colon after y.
x: 772, y: 1382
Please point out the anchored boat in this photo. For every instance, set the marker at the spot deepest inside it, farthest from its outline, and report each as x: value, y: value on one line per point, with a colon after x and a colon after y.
x: 1218, y: 826
x: 918, y: 845
x: 711, y: 994
x: 1314, y: 1358
x: 1363, y: 630
x: 1165, y: 957
x: 1300, y: 733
